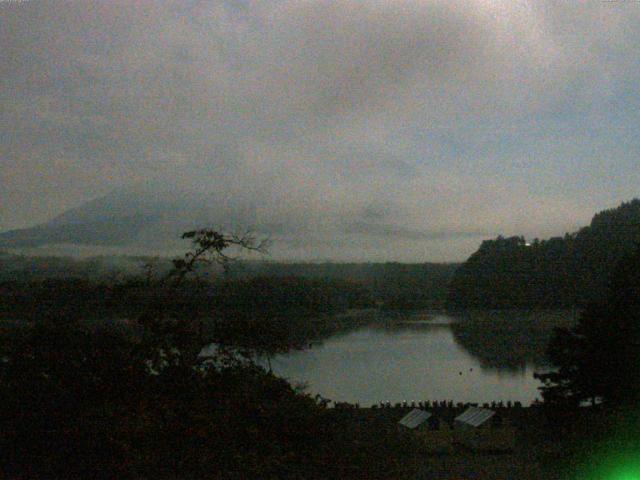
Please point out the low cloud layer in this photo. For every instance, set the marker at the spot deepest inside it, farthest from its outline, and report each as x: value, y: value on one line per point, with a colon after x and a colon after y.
x: 387, y: 130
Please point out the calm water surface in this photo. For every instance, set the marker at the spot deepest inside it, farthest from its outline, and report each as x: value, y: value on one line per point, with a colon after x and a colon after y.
x: 423, y: 356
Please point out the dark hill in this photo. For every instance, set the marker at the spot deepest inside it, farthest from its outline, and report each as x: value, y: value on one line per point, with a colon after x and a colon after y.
x: 558, y: 272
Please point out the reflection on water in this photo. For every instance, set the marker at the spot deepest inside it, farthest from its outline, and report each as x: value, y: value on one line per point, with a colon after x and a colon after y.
x: 508, y: 340
x: 427, y: 356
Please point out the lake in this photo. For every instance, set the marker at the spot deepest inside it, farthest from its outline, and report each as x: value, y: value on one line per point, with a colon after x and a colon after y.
x: 473, y: 357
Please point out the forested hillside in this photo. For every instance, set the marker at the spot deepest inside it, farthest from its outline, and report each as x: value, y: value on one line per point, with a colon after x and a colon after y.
x: 558, y: 272
x: 390, y: 285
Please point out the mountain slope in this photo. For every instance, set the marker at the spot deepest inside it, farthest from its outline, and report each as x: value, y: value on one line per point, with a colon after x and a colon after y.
x: 118, y: 219
x: 114, y: 232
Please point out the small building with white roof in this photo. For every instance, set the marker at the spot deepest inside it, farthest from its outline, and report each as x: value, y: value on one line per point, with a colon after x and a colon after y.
x: 478, y: 429
x: 415, y: 420
x: 474, y: 418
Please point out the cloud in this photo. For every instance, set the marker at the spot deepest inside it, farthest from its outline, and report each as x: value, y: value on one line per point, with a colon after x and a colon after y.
x: 447, y: 117
x: 391, y: 232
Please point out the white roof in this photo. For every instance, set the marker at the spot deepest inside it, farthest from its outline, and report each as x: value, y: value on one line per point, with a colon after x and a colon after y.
x: 475, y: 416
x: 414, y: 418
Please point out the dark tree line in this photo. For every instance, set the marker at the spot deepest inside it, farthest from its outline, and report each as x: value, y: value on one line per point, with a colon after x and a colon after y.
x: 391, y: 285
x: 559, y: 272
x: 205, y: 297
x: 598, y: 360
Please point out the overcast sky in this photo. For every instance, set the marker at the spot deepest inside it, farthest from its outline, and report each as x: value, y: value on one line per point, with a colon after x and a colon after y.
x: 383, y: 130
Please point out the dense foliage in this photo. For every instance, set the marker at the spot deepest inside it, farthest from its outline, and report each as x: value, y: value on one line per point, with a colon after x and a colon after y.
x: 141, y: 400
x: 599, y: 358
x: 559, y: 272
x: 81, y: 403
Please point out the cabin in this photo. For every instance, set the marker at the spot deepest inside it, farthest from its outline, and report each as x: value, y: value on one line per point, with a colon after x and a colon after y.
x: 415, y: 420
x: 473, y: 418
x: 426, y: 428
x: 481, y: 429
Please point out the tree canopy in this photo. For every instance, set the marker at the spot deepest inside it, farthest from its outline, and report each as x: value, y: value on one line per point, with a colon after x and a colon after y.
x: 599, y: 358
x: 558, y: 272
x: 79, y: 400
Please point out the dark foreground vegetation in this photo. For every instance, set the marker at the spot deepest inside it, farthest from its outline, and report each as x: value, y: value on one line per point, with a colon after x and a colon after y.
x: 80, y: 403
x: 97, y: 402
x: 139, y: 400
x: 592, y: 400
x: 598, y: 359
